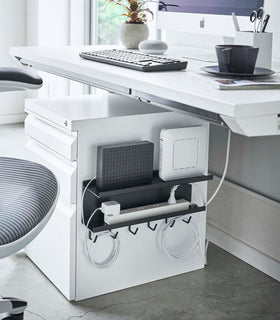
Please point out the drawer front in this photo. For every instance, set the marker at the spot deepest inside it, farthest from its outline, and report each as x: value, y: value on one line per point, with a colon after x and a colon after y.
x: 61, y: 142
x: 53, y: 251
x: 65, y: 171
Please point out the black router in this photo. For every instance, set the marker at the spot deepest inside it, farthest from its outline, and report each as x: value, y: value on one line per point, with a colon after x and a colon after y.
x: 124, y: 165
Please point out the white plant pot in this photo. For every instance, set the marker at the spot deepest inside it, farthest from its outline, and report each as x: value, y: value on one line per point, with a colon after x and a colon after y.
x: 131, y: 34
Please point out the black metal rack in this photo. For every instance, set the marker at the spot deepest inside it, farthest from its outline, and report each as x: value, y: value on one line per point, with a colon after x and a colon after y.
x: 147, y: 219
x: 156, y: 192
x: 157, y: 183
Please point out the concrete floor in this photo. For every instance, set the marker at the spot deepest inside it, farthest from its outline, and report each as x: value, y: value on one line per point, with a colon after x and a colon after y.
x: 227, y: 289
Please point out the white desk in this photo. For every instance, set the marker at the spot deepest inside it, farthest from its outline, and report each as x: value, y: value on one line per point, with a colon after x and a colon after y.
x: 251, y: 113
x: 69, y: 149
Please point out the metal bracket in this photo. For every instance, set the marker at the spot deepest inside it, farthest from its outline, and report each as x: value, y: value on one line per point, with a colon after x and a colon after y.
x: 179, y: 107
x: 111, y: 87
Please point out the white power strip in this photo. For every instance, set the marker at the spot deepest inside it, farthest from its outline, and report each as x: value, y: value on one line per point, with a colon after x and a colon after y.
x: 147, y: 211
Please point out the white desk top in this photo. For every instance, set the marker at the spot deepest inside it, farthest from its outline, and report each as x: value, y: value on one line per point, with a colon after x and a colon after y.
x: 179, y: 86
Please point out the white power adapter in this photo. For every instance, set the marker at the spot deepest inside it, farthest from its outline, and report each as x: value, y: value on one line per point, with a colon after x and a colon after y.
x: 110, y: 209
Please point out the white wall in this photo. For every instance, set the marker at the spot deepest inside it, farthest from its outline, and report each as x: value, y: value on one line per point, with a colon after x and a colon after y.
x: 55, y: 23
x: 12, y: 33
x: 247, y: 225
x: 47, y: 22
x: 273, y: 8
x: 48, y: 25
x: 44, y: 23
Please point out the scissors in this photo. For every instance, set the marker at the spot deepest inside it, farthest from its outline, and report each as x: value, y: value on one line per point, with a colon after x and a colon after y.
x: 257, y: 18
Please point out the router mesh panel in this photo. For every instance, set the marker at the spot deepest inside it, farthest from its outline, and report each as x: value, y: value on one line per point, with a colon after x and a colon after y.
x: 124, y: 165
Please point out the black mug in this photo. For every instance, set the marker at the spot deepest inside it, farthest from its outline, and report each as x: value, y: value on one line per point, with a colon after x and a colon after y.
x: 237, y: 58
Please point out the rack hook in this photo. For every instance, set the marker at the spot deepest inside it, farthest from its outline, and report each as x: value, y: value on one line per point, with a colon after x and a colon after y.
x: 90, y: 236
x: 115, y: 235
x: 133, y: 232
x: 188, y: 221
x: 152, y: 228
x: 172, y: 224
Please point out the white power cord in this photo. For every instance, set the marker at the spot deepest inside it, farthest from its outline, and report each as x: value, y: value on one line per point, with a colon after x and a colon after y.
x: 111, y: 257
x: 91, y: 216
x: 225, y: 170
x: 162, y: 233
x: 114, y: 252
x: 172, y: 198
x: 83, y: 195
x: 186, y: 255
x: 206, y: 203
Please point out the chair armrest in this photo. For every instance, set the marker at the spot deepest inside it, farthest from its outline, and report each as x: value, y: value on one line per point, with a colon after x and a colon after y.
x: 19, y: 78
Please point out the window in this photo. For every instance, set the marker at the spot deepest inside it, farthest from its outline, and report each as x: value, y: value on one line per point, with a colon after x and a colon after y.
x: 103, y: 21
x: 109, y: 20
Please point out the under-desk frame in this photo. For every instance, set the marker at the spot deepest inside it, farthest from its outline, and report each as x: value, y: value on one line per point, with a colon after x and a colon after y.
x: 114, y: 88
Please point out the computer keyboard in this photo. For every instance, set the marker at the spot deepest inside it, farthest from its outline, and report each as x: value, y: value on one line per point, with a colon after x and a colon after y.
x: 135, y: 60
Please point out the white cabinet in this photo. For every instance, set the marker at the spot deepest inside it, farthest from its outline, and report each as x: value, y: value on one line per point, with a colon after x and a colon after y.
x: 64, y: 170
x: 53, y: 251
x: 63, y: 135
x: 57, y: 140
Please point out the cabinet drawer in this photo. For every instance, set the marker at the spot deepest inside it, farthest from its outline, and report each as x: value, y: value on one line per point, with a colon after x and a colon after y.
x: 61, y: 142
x: 65, y: 171
x: 53, y: 251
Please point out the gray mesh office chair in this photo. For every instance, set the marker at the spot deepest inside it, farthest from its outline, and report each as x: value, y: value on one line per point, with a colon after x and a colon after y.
x: 28, y: 195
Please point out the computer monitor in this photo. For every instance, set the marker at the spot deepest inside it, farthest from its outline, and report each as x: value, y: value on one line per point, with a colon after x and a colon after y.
x: 206, y: 16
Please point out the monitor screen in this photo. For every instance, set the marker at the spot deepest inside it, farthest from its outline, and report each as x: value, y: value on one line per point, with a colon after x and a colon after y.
x: 221, y: 7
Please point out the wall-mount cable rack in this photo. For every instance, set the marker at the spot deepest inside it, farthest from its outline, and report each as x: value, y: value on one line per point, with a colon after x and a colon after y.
x: 158, y: 188
x: 157, y: 183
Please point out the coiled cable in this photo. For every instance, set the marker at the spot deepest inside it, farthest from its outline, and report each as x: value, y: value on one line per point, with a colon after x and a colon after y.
x: 188, y: 253
x: 106, y: 263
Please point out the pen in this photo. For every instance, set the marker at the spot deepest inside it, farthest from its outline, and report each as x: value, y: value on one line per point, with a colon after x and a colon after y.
x: 235, y: 22
x: 265, y: 22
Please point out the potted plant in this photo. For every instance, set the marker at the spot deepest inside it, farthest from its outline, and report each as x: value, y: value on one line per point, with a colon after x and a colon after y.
x: 134, y: 30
